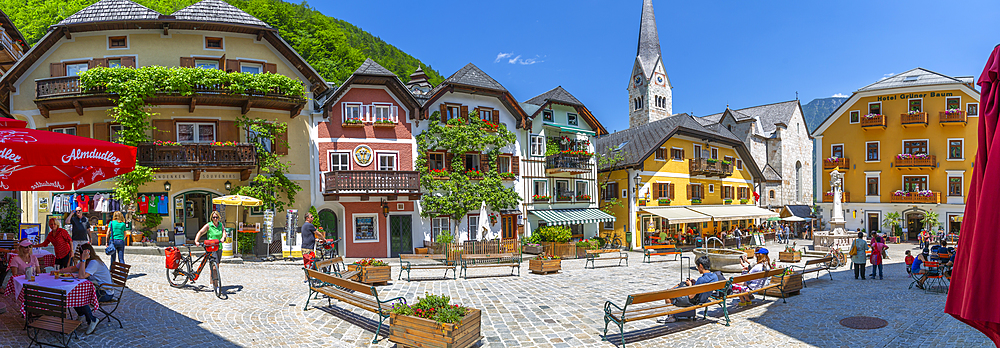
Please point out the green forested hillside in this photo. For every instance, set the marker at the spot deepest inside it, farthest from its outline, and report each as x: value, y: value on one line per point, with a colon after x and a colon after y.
x: 335, y: 48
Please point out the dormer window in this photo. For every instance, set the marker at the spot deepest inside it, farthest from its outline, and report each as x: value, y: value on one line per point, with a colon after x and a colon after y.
x: 213, y: 43
x: 547, y: 116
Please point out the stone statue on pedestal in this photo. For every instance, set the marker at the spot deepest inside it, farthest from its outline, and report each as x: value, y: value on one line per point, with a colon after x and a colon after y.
x: 837, y: 185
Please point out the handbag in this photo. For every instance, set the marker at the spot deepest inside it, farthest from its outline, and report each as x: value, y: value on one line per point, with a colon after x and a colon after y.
x: 854, y: 249
x: 110, y: 249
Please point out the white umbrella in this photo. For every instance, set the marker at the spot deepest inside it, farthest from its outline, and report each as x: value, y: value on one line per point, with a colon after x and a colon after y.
x: 484, y: 221
x: 794, y: 219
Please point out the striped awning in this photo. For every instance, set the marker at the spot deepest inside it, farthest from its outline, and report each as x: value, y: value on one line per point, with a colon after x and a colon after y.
x: 572, y: 216
x: 734, y: 212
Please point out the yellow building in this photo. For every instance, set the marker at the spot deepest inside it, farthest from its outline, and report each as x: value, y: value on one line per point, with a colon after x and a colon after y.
x: 674, y: 175
x: 905, y: 144
x: 43, y: 89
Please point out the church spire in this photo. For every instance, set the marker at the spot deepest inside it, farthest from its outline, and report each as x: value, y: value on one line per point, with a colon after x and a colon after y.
x: 649, y: 41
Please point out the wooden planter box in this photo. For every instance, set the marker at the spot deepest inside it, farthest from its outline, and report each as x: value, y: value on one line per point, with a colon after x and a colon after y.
x: 789, y: 257
x: 352, y: 125
x: 563, y: 250
x: 793, y: 283
x: 384, y: 125
x: 544, y: 266
x: 407, y: 331
x: 534, y: 250
x: 372, y: 274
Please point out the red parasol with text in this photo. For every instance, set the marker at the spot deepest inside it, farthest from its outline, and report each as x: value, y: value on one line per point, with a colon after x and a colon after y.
x: 975, y: 281
x: 37, y: 160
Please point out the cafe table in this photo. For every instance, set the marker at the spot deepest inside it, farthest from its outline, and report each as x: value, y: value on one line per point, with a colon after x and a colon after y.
x: 45, y: 258
x: 79, y: 292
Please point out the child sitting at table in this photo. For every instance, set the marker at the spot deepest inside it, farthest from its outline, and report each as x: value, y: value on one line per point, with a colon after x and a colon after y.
x: 92, y: 268
x: 23, y: 259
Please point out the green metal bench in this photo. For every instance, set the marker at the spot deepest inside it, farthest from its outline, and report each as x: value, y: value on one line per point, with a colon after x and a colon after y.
x: 628, y: 312
x: 408, y: 266
x: 360, y: 295
x: 490, y: 260
x: 616, y: 254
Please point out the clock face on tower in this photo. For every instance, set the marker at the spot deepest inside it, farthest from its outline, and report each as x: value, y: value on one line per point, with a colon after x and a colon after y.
x: 638, y: 81
x: 659, y: 79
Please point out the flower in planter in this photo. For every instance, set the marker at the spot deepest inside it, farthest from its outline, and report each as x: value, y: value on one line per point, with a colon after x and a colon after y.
x: 952, y: 111
x: 165, y: 143
x: 438, y: 172
x: 583, y: 197
x: 224, y: 143
x: 663, y: 201
x: 385, y: 122
x: 473, y: 173
x: 695, y: 201
x: 576, y: 152
x: 507, y: 175
x: 540, y: 198
x: 726, y: 162
x: 565, y: 198
x: 585, y: 244
x: 434, y: 307
x: 832, y: 159
x: 728, y: 201
x: 353, y: 121
x: 712, y: 160
x: 491, y: 126
x: 899, y: 193
x: 370, y: 262
x: 914, y: 112
x: 872, y: 116
x: 744, y: 201
x: 547, y: 257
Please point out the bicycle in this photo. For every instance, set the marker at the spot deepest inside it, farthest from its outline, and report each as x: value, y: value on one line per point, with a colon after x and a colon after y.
x: 327, y: 250
x: 838, y: 258
x: 182, y: 273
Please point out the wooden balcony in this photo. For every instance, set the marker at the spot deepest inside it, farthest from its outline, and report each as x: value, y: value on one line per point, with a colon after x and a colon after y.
x: 828, y: 198
x: 702, y: 166
x: 955, y: 118
x: 873, y: 122
x: 60, y: 93
x: 913, y: 197
x: 566, y: 163
x: 843, y: 163
x: 11, y: 51
x: 915, y: 163
x: 910, y: 120
x: 367, y: 183
x: 198, y: 158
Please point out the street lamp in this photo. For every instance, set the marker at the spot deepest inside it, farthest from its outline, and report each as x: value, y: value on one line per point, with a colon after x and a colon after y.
x: 385, y: 208
x: 166, y: 186
x: 229, y: 185
x: 638, y: 183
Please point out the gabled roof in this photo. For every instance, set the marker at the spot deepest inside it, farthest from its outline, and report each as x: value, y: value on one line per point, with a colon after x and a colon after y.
x: 371, y: 73
x: 768, y: 115
x: 370, y: 67
x: 557, y: 94
x: 217, y: 11
x: 12, y: 31
x: 471, y: 75
x: 111, y: 10
x: 915, y: 77
x: 649, y: 41
x: 470, y: 79
x: 770, y: 174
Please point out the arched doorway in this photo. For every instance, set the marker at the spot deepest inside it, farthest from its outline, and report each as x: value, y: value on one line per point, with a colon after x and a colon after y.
x: 192, y: 209
x: 328, y: 220
x: 914, y: 224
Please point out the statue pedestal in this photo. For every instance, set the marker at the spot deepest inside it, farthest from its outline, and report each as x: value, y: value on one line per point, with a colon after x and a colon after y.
x: 828, y: 240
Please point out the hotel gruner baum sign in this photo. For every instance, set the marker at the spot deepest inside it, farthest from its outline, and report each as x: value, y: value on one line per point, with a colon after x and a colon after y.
x: 905, y: 96
x: 363, y: 155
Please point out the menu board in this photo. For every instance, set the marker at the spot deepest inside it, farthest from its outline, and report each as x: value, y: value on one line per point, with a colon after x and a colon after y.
x: 364, y: 228
x: 31, y: 232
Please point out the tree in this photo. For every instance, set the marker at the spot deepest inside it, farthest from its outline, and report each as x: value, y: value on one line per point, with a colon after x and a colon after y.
x: 271, y: 182
x: 612, y: 160
x: 894, y: 222
x: 930, y: 220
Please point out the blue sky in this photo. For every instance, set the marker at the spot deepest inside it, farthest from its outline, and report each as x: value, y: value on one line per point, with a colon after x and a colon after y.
x: 717, y: 53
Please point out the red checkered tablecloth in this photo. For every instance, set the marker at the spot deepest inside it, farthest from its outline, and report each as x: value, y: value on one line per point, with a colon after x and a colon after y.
x: 82, y: 293
x: 45, y: 258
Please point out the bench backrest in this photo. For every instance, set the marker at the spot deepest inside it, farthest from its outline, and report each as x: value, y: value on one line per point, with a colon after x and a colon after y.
x: 44, y: 301
x: 327, y: 262
x: 660, y: 246
x: 759, y: 275
x: 815, y: 261
x: 678, y: 292
x: 423, y: 257
x: 344, y: 283
x: 487, y: 256
x: 603, y: 251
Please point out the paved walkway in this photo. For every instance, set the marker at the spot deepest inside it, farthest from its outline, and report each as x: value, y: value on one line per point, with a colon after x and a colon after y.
x: 562, y: 310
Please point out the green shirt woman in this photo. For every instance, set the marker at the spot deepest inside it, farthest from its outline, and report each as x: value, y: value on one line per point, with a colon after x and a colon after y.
x: 118, y: 227
x: 215, y: 229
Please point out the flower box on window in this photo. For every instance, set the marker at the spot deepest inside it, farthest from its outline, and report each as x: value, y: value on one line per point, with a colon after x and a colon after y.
x: 565, y: 198
x: 727, y: 201
x: 696, y: 201
x: 474, y: 174
x: 439, y: 174
x: 384, y: 124
x: 744, y: 201
x: 352, y: 123
x: 540, y: 198
x: 507, y: 176
x: 490, y: 126
x: 583, y: 197
x: 663, y: 201
x: 642, y: 202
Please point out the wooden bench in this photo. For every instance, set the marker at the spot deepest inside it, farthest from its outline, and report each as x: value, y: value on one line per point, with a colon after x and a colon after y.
x: 503, y: 260
x: 409, y: 266
x: 760, y: 275
x: 619, y: 315
x: 593, y: 255
x: 816, y: 265
x: 661, y: 249
x: 336, y: 267
x: 360, y: 295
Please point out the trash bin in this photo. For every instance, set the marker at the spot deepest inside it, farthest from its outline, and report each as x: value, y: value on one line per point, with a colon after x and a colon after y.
x: 628, y: 240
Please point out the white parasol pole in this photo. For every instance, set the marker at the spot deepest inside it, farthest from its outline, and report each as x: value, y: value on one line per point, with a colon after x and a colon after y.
x: 484, y: 222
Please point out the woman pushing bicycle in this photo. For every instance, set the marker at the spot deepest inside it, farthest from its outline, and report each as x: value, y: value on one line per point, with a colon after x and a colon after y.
x: 215, y: 231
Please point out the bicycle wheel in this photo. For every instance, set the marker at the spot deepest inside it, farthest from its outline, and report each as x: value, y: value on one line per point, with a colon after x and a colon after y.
x: 216, y: 281
x: 176, y: 278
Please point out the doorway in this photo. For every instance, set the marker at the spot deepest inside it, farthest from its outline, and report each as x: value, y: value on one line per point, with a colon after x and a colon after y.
x: 914, y: 224
x: 508, y: 226
x: 400, y: 235
x: 328, y: 221
x: 873, y: 222
x: 193, y: 212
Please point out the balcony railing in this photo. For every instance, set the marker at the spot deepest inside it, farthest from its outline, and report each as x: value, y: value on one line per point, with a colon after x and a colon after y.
x: 70, y: 85
x: 930, y: 161
x: 914, y: 197
x: 915, y: 119
x: 566, y: 163
x: 197, y: 156
x: 873, y: 121
x: 953, y: 118
x: 702, y: 166
x: 843, y: 163
x: 371, y: 182
x: 828, y: 197
x: 11, y: 51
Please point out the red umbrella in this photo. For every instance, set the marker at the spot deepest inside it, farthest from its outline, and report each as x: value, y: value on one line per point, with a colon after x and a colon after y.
x: 975, y: 281
x: 35, y: 160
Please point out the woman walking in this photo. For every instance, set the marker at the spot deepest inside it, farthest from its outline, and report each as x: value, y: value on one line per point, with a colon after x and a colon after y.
x: 61, y: 242
x: 878, y: 246
x: 858, y: 249
x: 118, y: 237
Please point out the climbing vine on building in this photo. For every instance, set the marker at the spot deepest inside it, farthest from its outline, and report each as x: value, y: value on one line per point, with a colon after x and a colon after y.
x: 133, y: 87
x: 271, y: 181
x: 455, y: 191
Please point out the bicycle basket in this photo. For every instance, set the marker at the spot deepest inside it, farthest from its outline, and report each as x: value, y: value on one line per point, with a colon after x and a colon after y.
x: 211, y: 245
x: 173, y: 257
x: 328, y: 244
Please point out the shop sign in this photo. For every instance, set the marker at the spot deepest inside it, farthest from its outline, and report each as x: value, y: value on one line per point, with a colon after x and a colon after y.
x: 905, y: 96
x: 363, y: 155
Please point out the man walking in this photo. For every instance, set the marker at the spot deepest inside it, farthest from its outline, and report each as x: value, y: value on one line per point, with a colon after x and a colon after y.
x: 309, y: 237
x: 81, y: 228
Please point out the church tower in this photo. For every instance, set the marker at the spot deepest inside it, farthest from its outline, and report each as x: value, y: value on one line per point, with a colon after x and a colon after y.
x: 649, y: 88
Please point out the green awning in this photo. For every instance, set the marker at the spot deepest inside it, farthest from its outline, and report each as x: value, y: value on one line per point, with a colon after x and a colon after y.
x: 571, y: 129
x: 572, y: 216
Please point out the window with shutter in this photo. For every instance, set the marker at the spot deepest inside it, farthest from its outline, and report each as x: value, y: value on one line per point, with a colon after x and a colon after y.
x: 515, y: 166
x: 484, y: 163
x: 164, y: 130
x: 671, y: 194
x: 689, y: 193
x: 57, y: 70
x: 101, y: 131
x: 271, y: 68
x: 187, y: 62
x: 83, y: 130
x: 464, y: 113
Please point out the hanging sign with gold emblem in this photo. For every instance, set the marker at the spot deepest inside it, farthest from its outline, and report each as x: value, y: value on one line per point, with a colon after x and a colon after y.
x: 363, y: 155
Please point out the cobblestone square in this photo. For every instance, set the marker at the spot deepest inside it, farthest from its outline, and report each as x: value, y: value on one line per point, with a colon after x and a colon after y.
x: 264, y: 309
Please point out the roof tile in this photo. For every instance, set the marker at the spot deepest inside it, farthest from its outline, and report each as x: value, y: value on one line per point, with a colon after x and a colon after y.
x: 111, y: 10
x: 217, y: 11
x: 557, y: 94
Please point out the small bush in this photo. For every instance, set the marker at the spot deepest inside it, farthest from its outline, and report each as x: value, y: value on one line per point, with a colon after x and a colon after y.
x: 555, y: 234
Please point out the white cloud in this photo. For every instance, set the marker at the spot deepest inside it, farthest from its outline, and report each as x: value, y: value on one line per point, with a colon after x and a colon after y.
x: 502, y: 55
x: 840, y: 95
x: 512, y: 59
x: 887, y: 76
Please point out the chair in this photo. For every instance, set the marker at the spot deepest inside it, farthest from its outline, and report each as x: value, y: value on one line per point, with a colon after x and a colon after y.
x: 45, y: 311
x: 935, y: 275
x: 119, y: 275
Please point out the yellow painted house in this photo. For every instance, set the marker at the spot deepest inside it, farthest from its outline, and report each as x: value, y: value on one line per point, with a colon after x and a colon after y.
x: 676, y: 175
x: 905, y: 144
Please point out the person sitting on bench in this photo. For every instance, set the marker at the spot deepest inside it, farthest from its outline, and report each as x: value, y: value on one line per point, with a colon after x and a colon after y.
x: 763, y: 265
x: 707, y: 276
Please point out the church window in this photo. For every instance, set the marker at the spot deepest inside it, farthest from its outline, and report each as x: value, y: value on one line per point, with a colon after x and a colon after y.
x: 798, y: 180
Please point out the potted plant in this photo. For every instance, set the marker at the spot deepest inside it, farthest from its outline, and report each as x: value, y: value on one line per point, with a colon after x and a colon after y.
x: 790, y: 255
x: 545, y: 264
x: 583, y: 197
x: 372, y: 270
x: 582, y: 247
x: 663, y: 201
x: 434, y: 322
x: 728, y: 201
x: 554, y: 240
x: 507, y: 176
x: 711, y: 161
x: 696, y: 201
x: 533, y: 248
x: 385, y: 123
x: 439, y: 174
x: 642, y: 202
x: 744, y: 201
x: 474, y: 174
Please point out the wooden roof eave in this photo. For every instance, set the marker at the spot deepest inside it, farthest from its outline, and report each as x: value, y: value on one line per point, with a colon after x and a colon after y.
x: 395, y: 86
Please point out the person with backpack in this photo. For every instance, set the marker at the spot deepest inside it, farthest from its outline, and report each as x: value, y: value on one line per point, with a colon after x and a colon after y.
x: 703, y: 264
x: 857, y: 253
